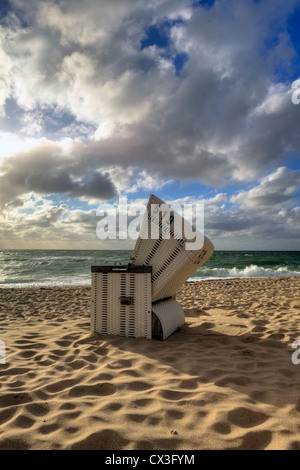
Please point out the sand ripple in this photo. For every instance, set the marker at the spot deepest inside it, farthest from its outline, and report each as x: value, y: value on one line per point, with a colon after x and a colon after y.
x: 225, y: 381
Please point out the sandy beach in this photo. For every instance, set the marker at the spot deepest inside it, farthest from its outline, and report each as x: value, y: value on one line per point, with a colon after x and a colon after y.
x: 226, y: 380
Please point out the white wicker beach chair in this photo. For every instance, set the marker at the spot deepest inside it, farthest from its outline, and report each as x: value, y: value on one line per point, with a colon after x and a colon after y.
x: 138, y: 300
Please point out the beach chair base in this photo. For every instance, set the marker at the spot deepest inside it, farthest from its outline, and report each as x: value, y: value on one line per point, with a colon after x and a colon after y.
x: 167, y: 318
x: 121, y: 304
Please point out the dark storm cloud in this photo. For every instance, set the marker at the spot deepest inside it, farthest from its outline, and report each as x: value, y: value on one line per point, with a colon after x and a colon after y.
x: 44, y: 170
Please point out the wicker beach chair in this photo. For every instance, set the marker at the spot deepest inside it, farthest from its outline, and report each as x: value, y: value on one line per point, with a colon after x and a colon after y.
x: 138, y: 300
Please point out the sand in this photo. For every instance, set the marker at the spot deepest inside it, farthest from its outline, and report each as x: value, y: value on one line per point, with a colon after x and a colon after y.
x: 226, y: 380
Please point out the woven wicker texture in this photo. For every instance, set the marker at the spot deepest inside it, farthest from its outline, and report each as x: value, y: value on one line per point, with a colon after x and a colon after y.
x: 172, y: 264
x: 121, y: 304
x: 170, y: 315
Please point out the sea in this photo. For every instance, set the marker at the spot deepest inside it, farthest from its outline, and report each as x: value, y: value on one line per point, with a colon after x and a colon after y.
x: 46, y: 268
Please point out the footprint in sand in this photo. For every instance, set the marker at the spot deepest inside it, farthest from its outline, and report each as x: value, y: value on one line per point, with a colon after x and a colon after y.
x: 295, y: 445
x: 112, y: 406
x: 7, y: 414
x: 255, y: 440
x: 246, y: 417
x: 107, y: 439
x: 102, y: 389
x: 136, y: 418
x: 241, y: 381
x: 23, y: 421
x: 37, y: 409
x: 222, y: 427
x: 138, y: 386
x: 13, y: 444
x: 13, y: 399
x: 173, y: 395
x: 48, y: 428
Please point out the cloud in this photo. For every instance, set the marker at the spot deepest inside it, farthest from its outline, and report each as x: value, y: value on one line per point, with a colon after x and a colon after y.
x: 147, y: 182
x: 46, y: 170
x: 278, y: 188
x: 221, y: 119
x: 248, y: 220
x: 5, y: 75
x: 49, y: 225
x: 263, y: 217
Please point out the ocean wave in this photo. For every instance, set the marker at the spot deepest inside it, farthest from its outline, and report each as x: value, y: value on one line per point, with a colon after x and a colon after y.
x: 73, y: 268
x: 54, y: 283
x: 249, y: 271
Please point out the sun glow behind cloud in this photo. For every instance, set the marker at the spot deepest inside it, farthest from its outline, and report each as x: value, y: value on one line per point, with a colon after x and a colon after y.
x: 12, y: 144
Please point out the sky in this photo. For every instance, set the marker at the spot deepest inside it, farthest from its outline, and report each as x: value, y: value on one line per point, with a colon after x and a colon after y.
x: 193, y: 101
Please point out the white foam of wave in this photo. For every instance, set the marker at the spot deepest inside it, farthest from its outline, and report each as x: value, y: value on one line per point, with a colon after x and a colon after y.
x: 56, y: 283
x: 253, y: 271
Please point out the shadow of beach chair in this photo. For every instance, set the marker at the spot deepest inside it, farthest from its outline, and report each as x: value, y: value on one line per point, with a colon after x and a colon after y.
x: 139, y: 299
